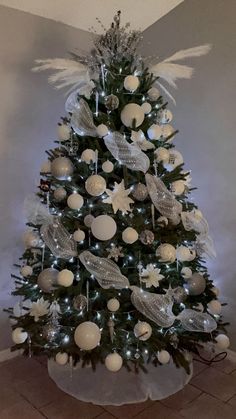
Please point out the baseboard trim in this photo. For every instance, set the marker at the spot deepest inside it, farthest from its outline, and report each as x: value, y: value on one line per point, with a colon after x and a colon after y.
x: 7, y: 354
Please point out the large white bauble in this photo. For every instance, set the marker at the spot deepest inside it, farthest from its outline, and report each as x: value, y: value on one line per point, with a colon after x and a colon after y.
x: 129, y: 235
x: 19, y: 336
x: 31, y: 239
x: 216, y: 291
x: 87, y: 336
x: 62, y: 168
x: 222, y: 341
x: 186, y: 272
x: 131, y: 83
x: 142, y: 330
x: 175, y: 160
x: 65, y: 278
x: 154, y: 132
x: 63, y: 132
x: 46, y: 167
x: 166, y: 253
x: 75, y: 201
x: 162, y: 155
x: 146, y: 107
x: 113, y: 305
x: 153, y: 93
x: 214, y: 307
x: 107, y: 166
x: 132, y: 112
x: 178, y: 187
x: 102, y: 130
x: 183, y: 253
x: 166, y: 116
x: 59, y: 194
x: 103, y: 227
x: 26, y: 270
x: 88, y: 220
x: 88, y: 156
x: 61, y: 358
x: 95, y: 185
x: 163, y: 357
x: 47, y: 279
x: 79, y: 235
x: 113, y: 362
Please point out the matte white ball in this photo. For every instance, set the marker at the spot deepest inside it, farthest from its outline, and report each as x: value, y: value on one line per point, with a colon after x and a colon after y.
x: 129, y: 235
x: 31, y: 239
x: 46, y: 167
x: 47, y: 279
x: 62, y: 168
x: 178, y: 187
x: 87, y: 336
x: 166, y: 253
x: 79, y: 235
x: 65, y: 278
x: 154, y: 132
x: 113, y: 362
x: 113, y: 305
x: 216, y: 291
x: 186, y: 272
x: 102, y: 130
x: 88, y: 156
x: 175, y: 160
x: 132, y: 115
x: 63, y: 132
x: 75, y: 201
x: 166, y: 116
x: 142, y: 330
x: 131, y: 83
x: 163, y: 357
x: 153, y: 94
x: 26, y: 270
x: 167, y: 130
x: 88, y: 220
x: 62, y: 358
x: 59, y: 194
x: 146, y: 107
x: 214, y: 307
x: 162, y: 155
x: 103, y: 227
x: 183, y: 253
x: 222, y: 341
x: 95, y: 185
x: 107, y: 166
x: 19, y: 335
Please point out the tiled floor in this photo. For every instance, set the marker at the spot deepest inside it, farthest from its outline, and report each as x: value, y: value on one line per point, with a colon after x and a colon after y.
x: 28, y: 393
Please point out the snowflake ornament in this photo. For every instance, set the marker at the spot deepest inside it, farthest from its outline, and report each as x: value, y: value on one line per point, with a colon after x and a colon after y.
x: 39, y: 309
x: 118, y: 198
x: 151, y: 276
x: 139, y: 139
x: 115, y: 253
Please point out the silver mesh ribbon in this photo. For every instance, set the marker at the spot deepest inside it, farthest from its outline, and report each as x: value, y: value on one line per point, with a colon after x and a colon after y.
x: 82, y: 120
x: 72, y: 102
x: 106, y: 272
x: 192, y: 222
x: 195, y: 321
x: 163, y: 200
x: 204, y: 246
x: 130, y: 155
x: 58, y: 239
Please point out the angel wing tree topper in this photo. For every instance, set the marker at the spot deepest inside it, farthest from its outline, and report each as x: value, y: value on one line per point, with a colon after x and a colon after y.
x: 113, y: 269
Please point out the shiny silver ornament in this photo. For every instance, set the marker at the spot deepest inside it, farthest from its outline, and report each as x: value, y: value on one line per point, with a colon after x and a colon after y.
x: 146, y: 237
x: 111, y: 102
x: 179, y: 295
x: 51, y: 330
x: 196, y: 284
x: 140, y: 192
x: 47, y: 279
x: 62, y: 168
x: 80, y: 302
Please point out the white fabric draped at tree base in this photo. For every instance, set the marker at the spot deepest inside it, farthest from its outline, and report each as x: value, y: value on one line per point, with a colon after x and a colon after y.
x: 103, y: 387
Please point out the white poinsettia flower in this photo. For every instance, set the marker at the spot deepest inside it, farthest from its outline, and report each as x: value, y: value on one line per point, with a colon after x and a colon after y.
x: 118, y: 198
x: 140, y: 140
x: 151, y: 276
x: 39, y: 308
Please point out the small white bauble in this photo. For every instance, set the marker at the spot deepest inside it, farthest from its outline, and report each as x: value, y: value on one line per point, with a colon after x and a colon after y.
x: 46, y: 167
x: 175, y: 160
x: 75, y: 201
x: 216, y: 291
x: 166, y: 253
x: 166, y: 116
x: 63, y: 132
x: 87, y: 336
x: 26, y: 270
x: 103, y: 227
x: 178, y: 187
x: 102, y: 130
x: 65, y: 278
x: 113, y: 362
x: 142, y: 330
x: 131, y: 83
x: 31, y: 239
x: 129, y: 235
x: 132, y: 115
x: 146, y: 107
x: 62, y: 168
x: 88, y: 220
x: 154, y: 132
x: 153, y: 94
x: 59, y: 194
x: 113, y: 305
x: 107, y: 166
x: 183, y: 253
x: 19, y: 336
x: 222, y: 342
x: 186, y: 272
x: 88, y: 156
x: 47, y: 279
x: 95, y: 185
x: 61, y: 358
x: 162, y: 155
x: 79, y: 235
x: 163, y: 357
x: 214, y: 307
x: 167, y: 130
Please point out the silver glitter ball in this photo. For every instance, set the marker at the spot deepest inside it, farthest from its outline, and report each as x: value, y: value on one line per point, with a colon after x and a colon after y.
x: 196, y: 284
x: 47, y: 279
x: 179, y: 295
x: 111, y: 102
x: 50, y: 331
x: 80, y: 302
x: 140, y: 192
x: 147, y: 237
x: 62, y: 168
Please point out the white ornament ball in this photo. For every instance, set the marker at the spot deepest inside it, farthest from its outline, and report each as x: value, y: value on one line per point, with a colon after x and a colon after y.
x: 154, y: 132
x: 222, y: 342
x: 19, y: 335
x: 216, y: 291
x: 163, y: 357
x: 107, y: 166
x: 153, y: 94
x: 132, y: 115
x: 142, y: 330
x: 65, y: 278
x: 61, y: 358
x: 88, y: 220
x: 46, y: 167
x: 214, y: 307
x: 59, y: 194
x: 79, y: 235
x: 88, y: 156
x: 186, y: 272
x: 75, y: 201
x: 166, y: 116
x: 198, y: 214
x: 63, y: 132
x: 87, y: 336
x: 31, y: 239
x: 26, y: 270
x: 162, y: 155
x: 167, y: 130
x: 62, y: 168
x: 129, y: 235
x: 47, y: 279
x: 175, y: 159
x: 102, y: 130
x: 146, y: 107
x: 103, y: 227
x: 113, y: 305
x: 95, y: 185
x: 178, y: 187
x: 113, y: 362
x: 131, y: 83
x: 183, y: 253
x: 166, y: 253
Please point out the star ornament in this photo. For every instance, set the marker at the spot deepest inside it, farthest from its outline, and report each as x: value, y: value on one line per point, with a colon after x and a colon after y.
x: 39, y: 308
x: 151, y: 276
x: 118, y: 198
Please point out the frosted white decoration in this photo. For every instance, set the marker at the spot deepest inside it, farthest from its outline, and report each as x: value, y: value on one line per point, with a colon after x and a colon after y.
x: 178, y: 187
x: 166, y: 116
x: 62, y: 168
x: 26, y: 270
x: 183, y: 253
x: 129, y: 235
x: 47, y: 279
x: 46, y: 167
x: 142, y: 330
x: 166, y: 253
x: 88, y: 220
x: 102, y: 130
x: 107, y: 166
x: 186, y: 272
x: 113, y: 362
x: 195, y: 321
x: 19, y: 336
x: 205, y: 246
x: 131, y: 83
x: 35, y: 211
x: 63, y: 132
x: 59, y: 194
x: 163, y: 357
x: 103, y: 227
x: 79, y: 235
x: 106, y: 272
x: 62, y: 358
x: 87, y: 336
x: 162, y: 199
x: 153, y: 94
x: 72, y: 102
x: 175, y: 159
x: 39, y: 308
x: 214, y: 307
x: 154, y: 132
x: 162, y: 155
x: 65, y: 278
x: 75, y: 201
x: 222, y: 342
x: 146, y: 107
x: 82, y: 120
x: 118, y: 198
x: 130, y: 155
x: 192, y: 220
x: 113, y: 305
x: 132, y: 115
x: 59, y: 241
x: 95, y: 185
x: 88, y: 156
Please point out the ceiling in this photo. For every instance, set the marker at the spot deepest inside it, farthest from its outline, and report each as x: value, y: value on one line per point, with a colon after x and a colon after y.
x: 82, y: 13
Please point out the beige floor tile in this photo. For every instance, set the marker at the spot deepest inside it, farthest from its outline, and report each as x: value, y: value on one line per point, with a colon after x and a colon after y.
x: 105, y: 415
x: 232, y: 402
x: 207, y: 407
x: 20, y: 370
x: 216, y: 383
x: 70, y: 408
x: 227, y: 366
x: 8, y: 397
x: 128, y: 410
x: 158, y: 411
x: 40, y: 392
x: 198, y: 367
x: 21, y: 410
x: 180, y: 399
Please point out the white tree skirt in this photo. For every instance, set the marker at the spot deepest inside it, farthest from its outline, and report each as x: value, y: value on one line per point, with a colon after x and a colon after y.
x: 106, y: 388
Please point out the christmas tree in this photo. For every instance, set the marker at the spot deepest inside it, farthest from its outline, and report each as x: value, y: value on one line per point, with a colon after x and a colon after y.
x: 113, y: 269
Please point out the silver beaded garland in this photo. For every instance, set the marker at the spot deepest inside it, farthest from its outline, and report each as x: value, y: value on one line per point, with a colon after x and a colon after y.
x: 147, y: 237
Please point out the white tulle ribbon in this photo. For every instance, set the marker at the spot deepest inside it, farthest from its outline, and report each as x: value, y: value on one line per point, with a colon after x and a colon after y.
x: 191, y: 221
x: 195, y: 321
x: 35, y: 212
x: 82, y: 119
x: 205, y: 246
